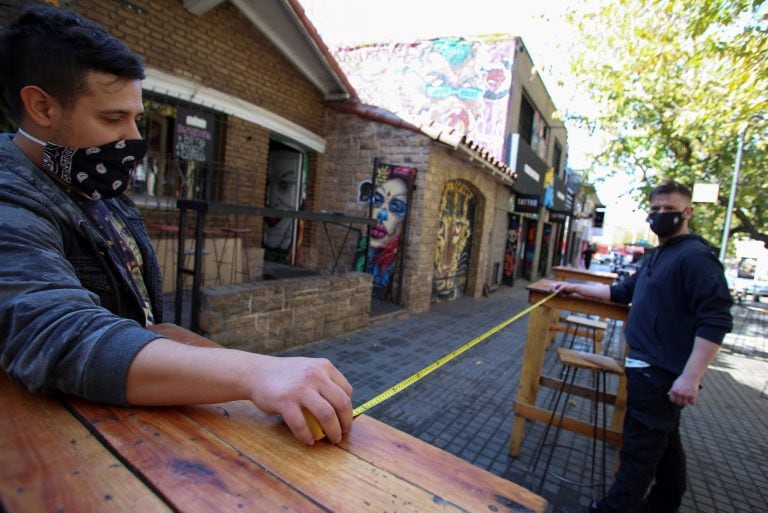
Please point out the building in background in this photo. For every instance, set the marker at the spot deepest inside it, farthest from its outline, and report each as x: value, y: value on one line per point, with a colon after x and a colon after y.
x: 487, y: 89
x: 247, y: 109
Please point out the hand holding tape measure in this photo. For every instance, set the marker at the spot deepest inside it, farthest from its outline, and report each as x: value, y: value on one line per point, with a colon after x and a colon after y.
x: 317, y: 431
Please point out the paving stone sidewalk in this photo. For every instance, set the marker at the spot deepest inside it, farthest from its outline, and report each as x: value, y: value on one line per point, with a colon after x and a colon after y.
x: 465, y: 407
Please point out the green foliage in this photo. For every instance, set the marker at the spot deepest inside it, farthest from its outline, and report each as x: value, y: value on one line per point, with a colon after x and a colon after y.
x: 676, y: 81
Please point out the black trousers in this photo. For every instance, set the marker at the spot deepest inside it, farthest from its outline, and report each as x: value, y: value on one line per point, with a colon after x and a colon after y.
x: 651, y: 451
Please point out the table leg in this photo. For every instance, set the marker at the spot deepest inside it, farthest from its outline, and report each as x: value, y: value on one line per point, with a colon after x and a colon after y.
x: 620, y: 406
x: 536, y: 342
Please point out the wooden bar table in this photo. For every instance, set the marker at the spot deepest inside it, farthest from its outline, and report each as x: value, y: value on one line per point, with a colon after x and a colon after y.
x: 70, y: 455
x: 536, y: 342
x: 564, y: 273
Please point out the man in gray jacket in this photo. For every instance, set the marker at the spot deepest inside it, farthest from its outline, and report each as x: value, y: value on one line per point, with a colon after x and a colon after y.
x: 79, y: 281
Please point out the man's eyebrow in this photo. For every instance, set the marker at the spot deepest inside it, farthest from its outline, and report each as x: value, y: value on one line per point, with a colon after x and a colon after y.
x: 124, y: 112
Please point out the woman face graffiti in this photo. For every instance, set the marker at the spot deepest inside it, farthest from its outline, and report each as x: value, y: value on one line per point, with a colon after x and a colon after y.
x: 390, y: 205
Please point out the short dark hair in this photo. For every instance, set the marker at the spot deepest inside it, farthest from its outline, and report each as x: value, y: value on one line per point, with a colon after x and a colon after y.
x: 54, y: 49
x: 669, y: 186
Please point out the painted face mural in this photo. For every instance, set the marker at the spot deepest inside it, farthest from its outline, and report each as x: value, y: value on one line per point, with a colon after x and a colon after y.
x: 286, y: 190
x: 389, y: 206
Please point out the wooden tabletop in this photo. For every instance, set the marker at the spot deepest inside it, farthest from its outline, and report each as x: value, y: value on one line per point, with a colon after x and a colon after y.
x: 575, y: 303
x: 71, y: 455
x: 563, y: 272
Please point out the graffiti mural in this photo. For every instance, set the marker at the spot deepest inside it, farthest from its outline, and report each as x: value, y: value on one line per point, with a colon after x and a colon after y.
x: 460, y: 83
x: 454, y: 242
x: 510, y: 251
x: 286, y: 190
x: 392, y: 186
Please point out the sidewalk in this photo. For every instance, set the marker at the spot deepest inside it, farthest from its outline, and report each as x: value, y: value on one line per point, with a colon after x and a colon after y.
x: 465, y: 407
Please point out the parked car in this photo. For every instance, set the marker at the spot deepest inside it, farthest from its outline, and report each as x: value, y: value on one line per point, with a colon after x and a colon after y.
x: 742, y: 288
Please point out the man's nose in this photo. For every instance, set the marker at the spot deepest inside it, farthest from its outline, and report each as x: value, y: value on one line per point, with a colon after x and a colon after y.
x: 132, y: 131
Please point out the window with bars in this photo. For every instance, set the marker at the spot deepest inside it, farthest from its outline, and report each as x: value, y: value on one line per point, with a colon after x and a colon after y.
x: 185, y: 147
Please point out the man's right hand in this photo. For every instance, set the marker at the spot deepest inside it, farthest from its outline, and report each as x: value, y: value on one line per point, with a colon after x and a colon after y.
x: 562, y: 287
x: 288, y: 385
x: 171, y: 373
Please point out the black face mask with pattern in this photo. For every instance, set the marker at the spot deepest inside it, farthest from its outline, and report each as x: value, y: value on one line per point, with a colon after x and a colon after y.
x: 665, y: 224
x: 97, y: 172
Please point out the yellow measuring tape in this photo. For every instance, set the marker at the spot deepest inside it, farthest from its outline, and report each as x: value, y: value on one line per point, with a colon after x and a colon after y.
x: 314, y: 425
x: 413, y: 378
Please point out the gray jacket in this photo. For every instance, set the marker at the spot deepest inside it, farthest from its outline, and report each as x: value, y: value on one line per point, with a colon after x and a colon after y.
x: 69, y: 321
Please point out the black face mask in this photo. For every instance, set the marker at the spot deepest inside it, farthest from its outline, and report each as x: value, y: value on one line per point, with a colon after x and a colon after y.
x: 99, y: 171
x: 665, y: 224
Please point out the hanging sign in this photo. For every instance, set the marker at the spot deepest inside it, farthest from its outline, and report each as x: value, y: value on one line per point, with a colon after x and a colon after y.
x: 526, y: 204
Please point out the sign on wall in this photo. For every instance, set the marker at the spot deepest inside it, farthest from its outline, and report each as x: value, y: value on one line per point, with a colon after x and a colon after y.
x: 526, y: 204
x: 194, y: 135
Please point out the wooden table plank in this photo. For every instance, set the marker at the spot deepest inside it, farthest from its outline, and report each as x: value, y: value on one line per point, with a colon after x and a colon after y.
x: 49, y: 462
x: 194, y: 470
x: 470, y: 487
x: 349, y: 479
x: 234, y: 457
x: 379, y: 459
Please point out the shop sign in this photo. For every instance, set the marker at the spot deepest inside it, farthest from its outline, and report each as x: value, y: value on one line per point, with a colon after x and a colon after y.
x: 526, y: 204
x: 557, y: 217
x: 194, y: 135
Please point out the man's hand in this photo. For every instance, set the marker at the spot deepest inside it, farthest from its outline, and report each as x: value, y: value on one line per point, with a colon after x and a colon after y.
x: 562, y: 287
x: 686, y: 387
x: 593, y: 290
x: 168, y: 373
x: 286, y: 385
x: 684, y: 391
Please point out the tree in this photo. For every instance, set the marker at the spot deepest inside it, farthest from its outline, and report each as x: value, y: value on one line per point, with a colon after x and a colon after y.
x: 676, y: 82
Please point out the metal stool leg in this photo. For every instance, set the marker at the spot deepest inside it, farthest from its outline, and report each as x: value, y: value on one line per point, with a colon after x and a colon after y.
x: 570, y: 379
x: 597, y: 477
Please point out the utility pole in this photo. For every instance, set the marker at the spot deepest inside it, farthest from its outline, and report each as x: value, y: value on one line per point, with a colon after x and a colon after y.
x: 736, y: 170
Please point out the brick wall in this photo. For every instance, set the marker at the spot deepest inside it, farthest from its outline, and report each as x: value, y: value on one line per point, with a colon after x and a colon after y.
x: 353, y: 144
x: 271, y: 316
x: 223, y: 50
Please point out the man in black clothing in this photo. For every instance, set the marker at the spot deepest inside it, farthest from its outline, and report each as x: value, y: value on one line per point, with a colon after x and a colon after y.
x: 679, y: 316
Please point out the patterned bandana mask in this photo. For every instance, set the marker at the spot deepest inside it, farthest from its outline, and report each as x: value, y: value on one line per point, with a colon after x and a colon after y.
x: 99, y: 171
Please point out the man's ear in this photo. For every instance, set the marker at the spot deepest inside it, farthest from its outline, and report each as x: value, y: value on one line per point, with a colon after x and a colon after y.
x: 39, y: 107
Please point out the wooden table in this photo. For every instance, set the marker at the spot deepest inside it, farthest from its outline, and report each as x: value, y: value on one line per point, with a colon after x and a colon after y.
x: 537, y: 340
x: 564, y: 273
x: 71, y: 455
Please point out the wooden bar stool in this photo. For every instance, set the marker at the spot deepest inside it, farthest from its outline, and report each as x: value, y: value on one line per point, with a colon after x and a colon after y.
x: 211, y: 234
x: 239, y: 235
x: 166, y: 236
x: 591, y: 326
x: 600, y: 366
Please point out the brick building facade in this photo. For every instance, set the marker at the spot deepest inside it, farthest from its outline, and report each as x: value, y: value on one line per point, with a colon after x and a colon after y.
x: 245, y: 92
